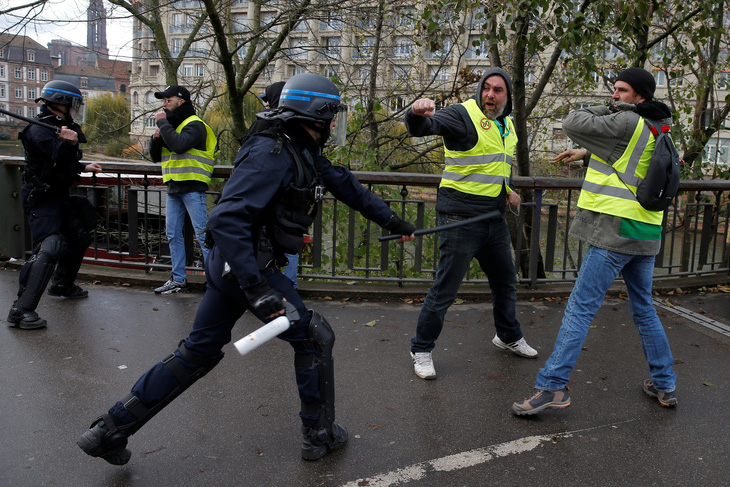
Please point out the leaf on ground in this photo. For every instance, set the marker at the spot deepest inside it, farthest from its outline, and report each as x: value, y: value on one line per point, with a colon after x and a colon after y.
x: 371, y: 323
x: 708, y: 383
x: 459, y: 301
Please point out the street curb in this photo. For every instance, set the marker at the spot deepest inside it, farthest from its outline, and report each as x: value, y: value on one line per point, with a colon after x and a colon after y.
x: 360, y: 291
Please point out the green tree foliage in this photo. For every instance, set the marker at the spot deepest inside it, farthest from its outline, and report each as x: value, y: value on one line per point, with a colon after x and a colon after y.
x: 107, y: 123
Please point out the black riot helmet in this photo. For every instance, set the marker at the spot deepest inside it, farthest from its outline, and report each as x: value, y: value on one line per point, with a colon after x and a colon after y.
x: 61, y: 93
x: 311, y: 98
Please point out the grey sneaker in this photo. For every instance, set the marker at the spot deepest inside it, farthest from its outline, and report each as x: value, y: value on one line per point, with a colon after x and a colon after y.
x: 542, y: 400
x: 519, y: 347
x: 173, y: 286
x: 666, y: 399
x: 423, y: 365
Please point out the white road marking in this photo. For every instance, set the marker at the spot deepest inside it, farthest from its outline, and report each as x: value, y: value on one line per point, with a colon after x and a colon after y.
x: 419, y: 471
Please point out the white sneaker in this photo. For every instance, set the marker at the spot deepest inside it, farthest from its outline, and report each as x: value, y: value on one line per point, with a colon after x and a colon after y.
x: 520, y: 347
x: 423, y: 365
x: 173, y: 286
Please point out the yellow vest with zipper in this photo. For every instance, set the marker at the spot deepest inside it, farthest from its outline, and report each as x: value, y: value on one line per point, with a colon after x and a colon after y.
x: 611, y: 188
x: 485, y: 168
x: 193, y: 165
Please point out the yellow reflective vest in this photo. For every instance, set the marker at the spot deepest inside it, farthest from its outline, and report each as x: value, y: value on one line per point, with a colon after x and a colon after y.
x: 611, y: 188
x: 485, y: 168
x: 193, y: 165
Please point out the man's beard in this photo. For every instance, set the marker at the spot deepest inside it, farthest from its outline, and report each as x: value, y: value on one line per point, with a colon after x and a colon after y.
x: 494, y: 112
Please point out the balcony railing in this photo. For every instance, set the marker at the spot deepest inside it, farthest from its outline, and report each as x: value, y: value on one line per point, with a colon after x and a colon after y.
x: 343, y: 245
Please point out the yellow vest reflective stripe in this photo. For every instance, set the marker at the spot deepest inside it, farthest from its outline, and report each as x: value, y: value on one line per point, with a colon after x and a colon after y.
x: 193, y: 165
x: 611, y: 189
x: 485, y: 168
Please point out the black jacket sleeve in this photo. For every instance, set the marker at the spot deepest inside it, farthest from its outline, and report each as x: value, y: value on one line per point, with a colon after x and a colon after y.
x: 449, y: 122
x: 345, y: 187
x: 256, y: 178
x: 192, y: 136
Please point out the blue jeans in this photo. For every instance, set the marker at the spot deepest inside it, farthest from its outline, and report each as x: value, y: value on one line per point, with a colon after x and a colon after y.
x: 598, y: 271
x: 488, y: 241
x: 290, y: 270
x: 177, y: 205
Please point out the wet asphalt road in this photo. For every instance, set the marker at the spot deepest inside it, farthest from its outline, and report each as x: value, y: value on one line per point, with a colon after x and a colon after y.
x: 238, y: 426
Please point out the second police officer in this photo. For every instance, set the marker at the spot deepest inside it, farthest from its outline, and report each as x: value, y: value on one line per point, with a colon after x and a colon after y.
x: 265, y: 208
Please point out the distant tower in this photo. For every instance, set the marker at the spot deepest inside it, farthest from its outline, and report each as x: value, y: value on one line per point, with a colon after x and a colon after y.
x: 96, y: 33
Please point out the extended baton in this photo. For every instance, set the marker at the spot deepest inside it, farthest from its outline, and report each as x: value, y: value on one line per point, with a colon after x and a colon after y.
x: 32, y: 120
x: 447, y: 226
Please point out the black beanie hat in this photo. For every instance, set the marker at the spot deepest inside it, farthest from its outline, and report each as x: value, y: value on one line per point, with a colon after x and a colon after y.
x: 640, y: 80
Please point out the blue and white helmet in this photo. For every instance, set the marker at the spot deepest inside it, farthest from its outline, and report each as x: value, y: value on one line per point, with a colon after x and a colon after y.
x: 61, y: 93
x: 311, y: 97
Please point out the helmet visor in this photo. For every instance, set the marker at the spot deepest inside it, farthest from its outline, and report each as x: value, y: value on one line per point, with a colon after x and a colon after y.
x: 340, y: 126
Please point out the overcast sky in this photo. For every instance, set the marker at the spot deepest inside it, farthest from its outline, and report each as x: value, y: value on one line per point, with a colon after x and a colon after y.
x: 66, y: 19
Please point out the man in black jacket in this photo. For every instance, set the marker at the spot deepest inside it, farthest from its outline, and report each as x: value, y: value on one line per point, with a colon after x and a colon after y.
x: 479, y: 143
x: 58, y: 225
x: 185, y: 145
x: 268, y: 203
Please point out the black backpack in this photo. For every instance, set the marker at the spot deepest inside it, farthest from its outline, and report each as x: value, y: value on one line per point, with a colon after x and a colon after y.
x: 661, y: 182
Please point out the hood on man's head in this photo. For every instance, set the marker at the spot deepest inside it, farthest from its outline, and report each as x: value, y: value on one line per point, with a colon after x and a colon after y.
x: 272, y: 94
x: 174, y: 90
x: 507, y: 80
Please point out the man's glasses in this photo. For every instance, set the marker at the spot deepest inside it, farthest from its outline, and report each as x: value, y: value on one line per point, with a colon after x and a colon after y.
x: 168, y: 100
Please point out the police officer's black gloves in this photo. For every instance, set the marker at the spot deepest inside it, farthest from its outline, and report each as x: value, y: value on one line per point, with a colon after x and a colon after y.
x: 395, y: 225
x: 264, y: 300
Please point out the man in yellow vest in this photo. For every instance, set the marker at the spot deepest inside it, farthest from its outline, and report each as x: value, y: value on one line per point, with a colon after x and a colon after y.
x: 185, y: 145
x: 623, y: 237
x: 479, y: 143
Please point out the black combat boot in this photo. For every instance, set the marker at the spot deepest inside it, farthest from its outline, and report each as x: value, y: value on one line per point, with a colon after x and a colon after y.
x: 320, y: 441
x: 72, y: 291
x: 104, y: 439
x: 25, y: 319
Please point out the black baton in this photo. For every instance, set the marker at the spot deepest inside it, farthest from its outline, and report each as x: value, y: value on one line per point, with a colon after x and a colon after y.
x: 32, y: 120
x: 448, y: 226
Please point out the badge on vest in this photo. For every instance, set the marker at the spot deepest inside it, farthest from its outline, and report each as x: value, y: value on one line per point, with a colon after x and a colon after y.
x: 485, y: 123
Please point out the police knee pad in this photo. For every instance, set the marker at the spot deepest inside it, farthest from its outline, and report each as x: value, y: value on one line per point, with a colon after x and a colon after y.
x: 185, y: 375
x: 49, y: 250
x: 323, y: 338
x: 322, y: 334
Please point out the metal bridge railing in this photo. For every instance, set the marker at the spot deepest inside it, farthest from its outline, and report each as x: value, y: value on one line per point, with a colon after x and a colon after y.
x: 343, y: 245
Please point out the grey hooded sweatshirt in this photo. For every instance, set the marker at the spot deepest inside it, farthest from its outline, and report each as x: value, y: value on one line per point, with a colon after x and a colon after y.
x: 455, y: 126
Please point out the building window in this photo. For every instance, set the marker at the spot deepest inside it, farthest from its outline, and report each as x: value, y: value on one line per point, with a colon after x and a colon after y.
x: 363, y: 72
x: 135, y: 98
x: 154, y: 70
x: 331, y: 71
x: 31, y: 56
x: 200, y: 70
x: 187, y: 70
x: 44, y: 75
x: 150, y: 98
x: 333, y: 22
x: 239, y: 23
x: 18, y: 92
x: 364, y: 48
x: 31, y: 93
x: 31, y: 74
x: 2, y: 91
x: 478, y: 48
x: 661, y: 77
x: 2, y: 71
x: 150, y: 122
x: 332, y: 47
x: 403, y: 47
x: 84, y: 82
x: 297, y: 50
x: 2, y: 53
x: 18, y: 73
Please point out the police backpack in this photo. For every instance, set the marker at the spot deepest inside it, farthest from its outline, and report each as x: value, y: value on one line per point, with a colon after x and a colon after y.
x: 661, y: 182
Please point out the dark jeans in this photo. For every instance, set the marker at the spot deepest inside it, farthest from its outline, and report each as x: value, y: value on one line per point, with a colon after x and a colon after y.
x: 488, y: 241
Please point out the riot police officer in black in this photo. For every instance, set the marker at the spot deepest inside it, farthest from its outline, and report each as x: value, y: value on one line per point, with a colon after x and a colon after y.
x: 266, y: 206
x: 58, y: 224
